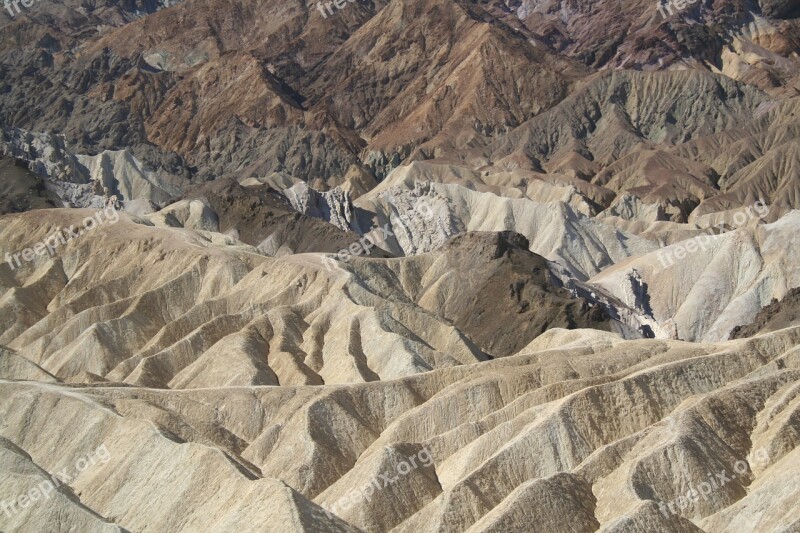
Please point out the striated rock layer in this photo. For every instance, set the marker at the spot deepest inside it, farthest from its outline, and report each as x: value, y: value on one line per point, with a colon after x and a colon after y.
x: 178, y: 379
x: 171, y: 307
x: 580, y: 431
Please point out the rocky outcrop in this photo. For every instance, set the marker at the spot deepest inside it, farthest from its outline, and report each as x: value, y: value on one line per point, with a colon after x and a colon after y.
x: 21, y: 189
x: 701, y: 288
x: 490, y: 285
x: 89, y: 181
x: 779, y: 9
x: 46, y: 155
x: 436, y: 211
x: 334, y: 206
x: 258, y: 215
x: 189, y: 214
x: 779, y: 314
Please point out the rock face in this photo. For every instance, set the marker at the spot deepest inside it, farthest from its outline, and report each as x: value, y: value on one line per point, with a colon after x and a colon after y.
x: 779, y: 314
x: 259, y: 215
x: 779, y: 9
x: 46, y: 156
x: 89, y: 181
x: 700, y: 289
x: 500, y: 294
x: 21, y: 189
x: 334, y: 207
x: 437, y: 211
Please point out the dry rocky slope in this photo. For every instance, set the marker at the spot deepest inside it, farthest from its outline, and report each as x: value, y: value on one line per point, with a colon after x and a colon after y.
x: 207, y: 369
x: 580, y: 431
x: 779, y: 314
x: 22, y: 190
x: 514, y: 265
x: 702, y: 288
x: 159, y: 306
x: 206, y: 88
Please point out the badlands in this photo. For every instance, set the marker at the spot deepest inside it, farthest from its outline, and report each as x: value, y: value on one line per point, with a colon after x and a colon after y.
x: 511, y: 353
